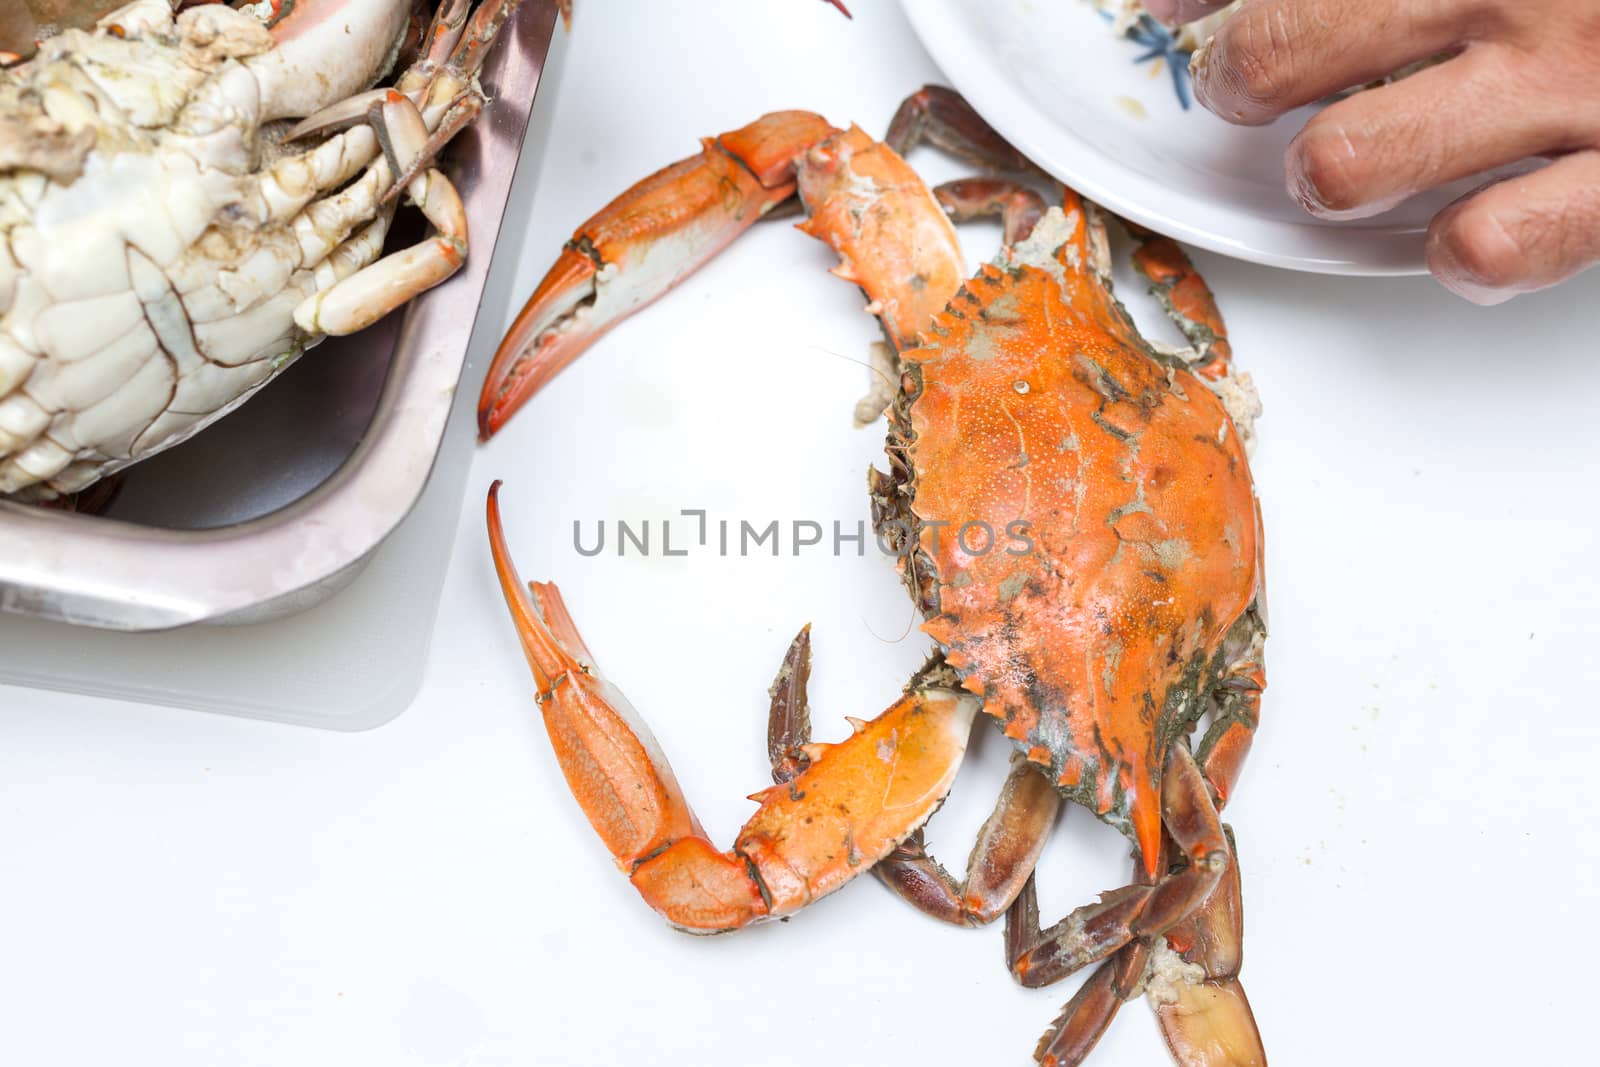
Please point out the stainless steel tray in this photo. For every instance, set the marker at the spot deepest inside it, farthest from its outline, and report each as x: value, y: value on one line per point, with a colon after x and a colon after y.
x: 280, y: 504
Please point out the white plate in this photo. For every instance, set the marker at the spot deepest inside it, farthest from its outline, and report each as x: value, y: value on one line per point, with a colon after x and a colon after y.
x: 1051, y: 77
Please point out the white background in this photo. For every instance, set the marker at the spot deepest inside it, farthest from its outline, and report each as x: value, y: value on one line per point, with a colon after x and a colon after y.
x: 1415, y: 827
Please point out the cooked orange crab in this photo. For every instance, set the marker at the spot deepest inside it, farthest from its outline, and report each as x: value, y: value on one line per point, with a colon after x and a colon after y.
x: 1028, y: 403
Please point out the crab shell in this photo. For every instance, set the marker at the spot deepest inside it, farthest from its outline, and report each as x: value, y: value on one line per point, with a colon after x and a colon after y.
x: 1085, y: 527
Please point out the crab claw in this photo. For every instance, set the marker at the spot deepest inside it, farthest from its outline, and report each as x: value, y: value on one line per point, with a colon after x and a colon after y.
x: 642, y: 244
x: 548, y: 333
x: 847, y: 809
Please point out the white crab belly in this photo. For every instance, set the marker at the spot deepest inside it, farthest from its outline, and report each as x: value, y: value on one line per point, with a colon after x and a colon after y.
x: 131, y: 322
x: 149, y: 295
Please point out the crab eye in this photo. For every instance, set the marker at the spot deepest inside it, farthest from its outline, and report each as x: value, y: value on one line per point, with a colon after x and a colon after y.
x: 1020, y: 386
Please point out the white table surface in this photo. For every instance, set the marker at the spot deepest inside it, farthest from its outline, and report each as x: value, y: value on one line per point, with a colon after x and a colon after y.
x: 1415, y: 827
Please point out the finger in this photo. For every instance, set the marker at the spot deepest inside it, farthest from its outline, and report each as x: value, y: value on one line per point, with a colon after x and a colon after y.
x: 1276, y: 55
x: 1520, y: 235
x: 1476, y: 112
x: 1174, y: 12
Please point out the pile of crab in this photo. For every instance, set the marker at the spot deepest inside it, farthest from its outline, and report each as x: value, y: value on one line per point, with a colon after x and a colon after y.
x: 191, y: 196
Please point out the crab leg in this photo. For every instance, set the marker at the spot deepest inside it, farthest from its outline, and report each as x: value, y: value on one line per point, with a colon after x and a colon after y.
x: 1187, y: 298
x: 1096, y: 930
x: 845, y: 811
x: 940, y: 116
x: 456, y: 50
x: 642, y: 244
x: 292, y: 182
x: 1089, y: 1014
x: 1085, y: 1018
x: 1208, y: 1023
x: 410, y: 124
x: 1007, y: 847
x: 1204, y: 1016
x: 371, y: 293
x: 1003, y: 856
x: 1237, y: 709
x: 1019, y: 207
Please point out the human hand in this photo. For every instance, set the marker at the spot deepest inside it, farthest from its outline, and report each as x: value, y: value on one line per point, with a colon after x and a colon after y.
x: 1522, y: 80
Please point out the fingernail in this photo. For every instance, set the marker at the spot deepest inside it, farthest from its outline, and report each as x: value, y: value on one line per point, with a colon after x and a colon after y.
x: 1477, y: 294
x: 1206, y: 69
x: 1300, y: 184
x: 1462, y: 282
x: 1305, y: 192
x: 1309, y: 197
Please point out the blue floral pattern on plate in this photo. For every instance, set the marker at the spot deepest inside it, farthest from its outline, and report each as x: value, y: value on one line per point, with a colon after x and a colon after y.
x: 1161, y: 44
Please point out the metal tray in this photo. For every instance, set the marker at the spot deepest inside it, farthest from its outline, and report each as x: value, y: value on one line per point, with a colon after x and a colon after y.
x: 281, y: 504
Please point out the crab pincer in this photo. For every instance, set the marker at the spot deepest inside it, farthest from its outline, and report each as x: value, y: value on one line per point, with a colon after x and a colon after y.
x: 642, y: 244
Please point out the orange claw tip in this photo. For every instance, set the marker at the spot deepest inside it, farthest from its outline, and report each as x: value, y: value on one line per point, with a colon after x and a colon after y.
x: 542, y: 340
x: 507, y: 387
x: 842, y: 9
x: 499, y: 397
x: 545, y: 655
x: 486, y: 424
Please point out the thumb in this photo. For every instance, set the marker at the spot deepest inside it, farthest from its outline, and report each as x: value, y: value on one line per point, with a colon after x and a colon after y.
x: 1179, y: 11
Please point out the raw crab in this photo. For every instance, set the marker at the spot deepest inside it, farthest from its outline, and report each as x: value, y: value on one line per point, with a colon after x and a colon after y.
x: 1028, y: 403
x: 167, y: 244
